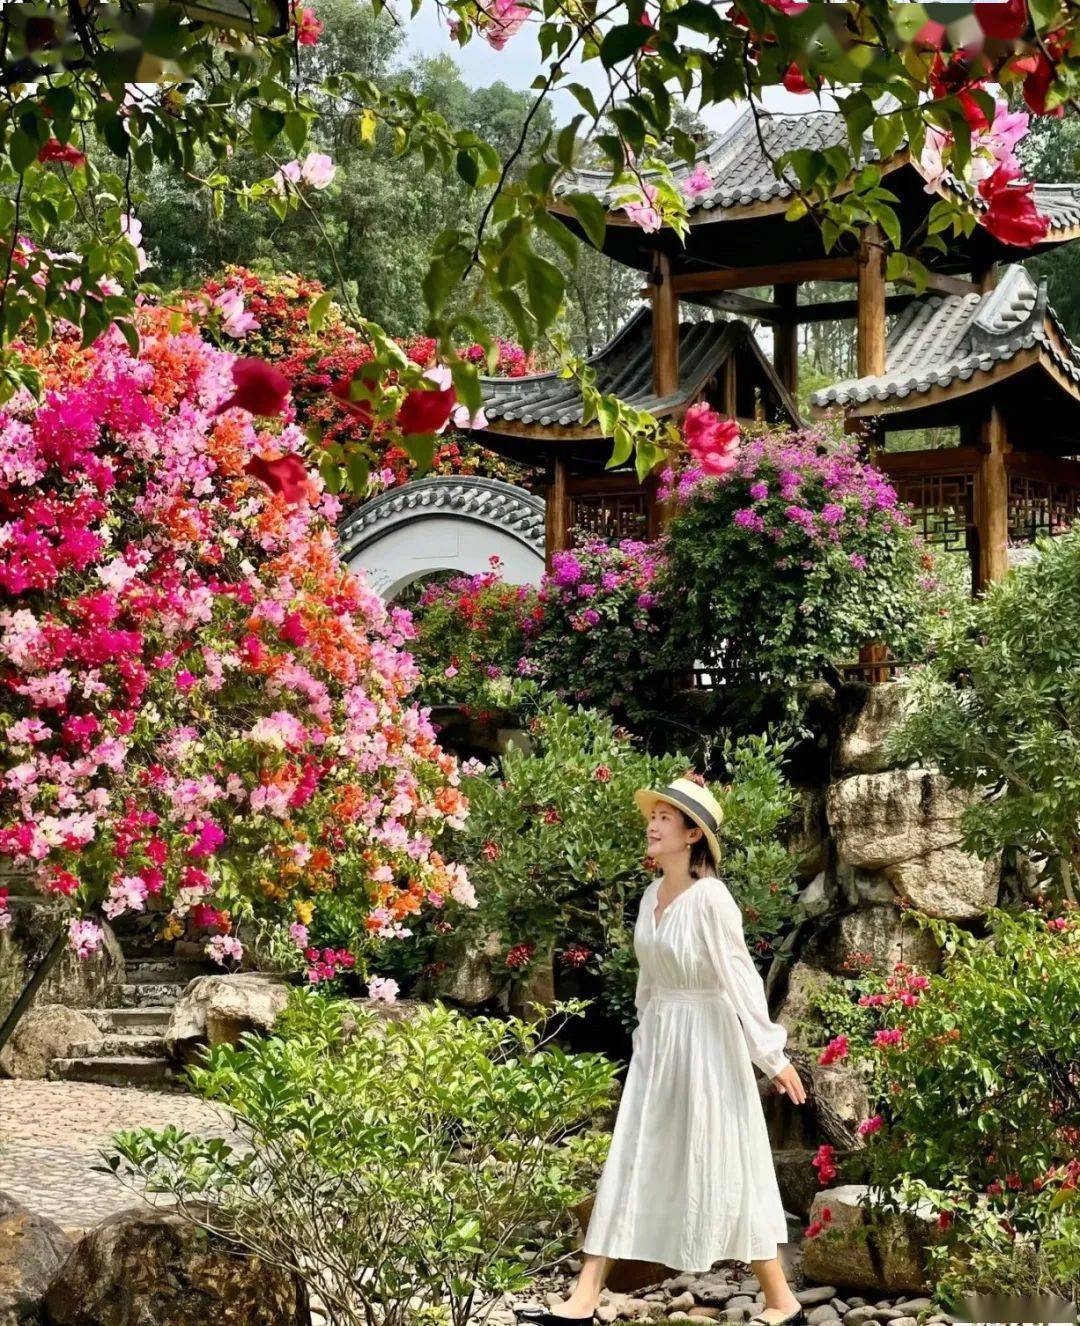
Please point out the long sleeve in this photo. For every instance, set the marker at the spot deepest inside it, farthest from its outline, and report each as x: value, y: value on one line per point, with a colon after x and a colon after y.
x: 643, y: 991
x: 729, y: 955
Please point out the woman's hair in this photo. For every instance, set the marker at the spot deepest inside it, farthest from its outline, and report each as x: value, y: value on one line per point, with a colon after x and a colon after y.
x: 701, y: 858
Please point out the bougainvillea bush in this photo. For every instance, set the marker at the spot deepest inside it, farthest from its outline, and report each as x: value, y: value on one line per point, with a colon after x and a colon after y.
x: 791, y: 560
x: 469, y: 638
x: 595, y: 635
x: 290, y: 321
x: 973, y: 1075
x: 198, y: 703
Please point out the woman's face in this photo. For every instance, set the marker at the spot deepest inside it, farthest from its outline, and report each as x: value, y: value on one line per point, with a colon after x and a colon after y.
x: 667, y: 832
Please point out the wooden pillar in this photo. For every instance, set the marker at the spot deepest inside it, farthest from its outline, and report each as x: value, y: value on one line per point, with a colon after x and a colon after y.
x: 871, y: 302
x: 729, y: 383
x: 786, y: 337
x: 660, y: 513
x: 665, y: 328
x: 557, y: 513
x: 991, y: 561
x: 985, y: 276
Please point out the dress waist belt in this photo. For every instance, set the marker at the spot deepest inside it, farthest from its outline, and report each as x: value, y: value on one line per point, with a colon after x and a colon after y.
x: 684, y: 994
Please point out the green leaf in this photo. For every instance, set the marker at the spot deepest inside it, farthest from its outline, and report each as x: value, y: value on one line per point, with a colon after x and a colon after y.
x: 590, y: 212
x: 623, y: 41
x: 331, y: 474
x: 266, y: 125
x: 421, y: 447
x: 545, y: 285
x: 699, y: 17
x: 318, y: 311
x: 358, y: 467
x: 22, y: 150
x: 296, y: 129
x: 443, y: 274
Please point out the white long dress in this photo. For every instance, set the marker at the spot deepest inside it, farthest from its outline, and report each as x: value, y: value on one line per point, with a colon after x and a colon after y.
x: 689, y: 1179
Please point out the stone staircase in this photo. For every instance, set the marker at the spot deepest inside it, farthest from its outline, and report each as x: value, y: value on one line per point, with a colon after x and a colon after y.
x: 132, y: 1052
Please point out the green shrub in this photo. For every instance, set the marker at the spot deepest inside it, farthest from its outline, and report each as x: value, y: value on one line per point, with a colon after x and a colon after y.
x: 386, y: 1162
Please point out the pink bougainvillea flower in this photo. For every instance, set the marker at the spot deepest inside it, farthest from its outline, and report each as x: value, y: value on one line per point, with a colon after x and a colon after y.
x: 259, y: 388
x: 794, y: 79
x: 699, y: 183
x: 426, y: 411
x: 236, y: 321
x: 1005, y: 19
x: 502, y: 19
x: 64, y: 153
x: 286, y: 475
x: 309, y: 28
x: 131, y: 229
x: 711, y: 439
x: 930, y: 37
x: 318, y: 170
x: 644, y: 214
x: 384, y: 988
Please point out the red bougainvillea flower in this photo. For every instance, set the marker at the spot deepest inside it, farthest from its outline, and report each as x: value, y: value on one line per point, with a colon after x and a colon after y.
x: 710, y: 439
x: 425, y: 411
x: 646, y: 22
x: 286, y: 475
x: 308, y: 26
x: 259, y: 388
x: 1040, y: 77
x: 1006, y: 19
x: 794, y: 79
x: 1012, y: 215
x: 55, y: 150
x: 361, y: 409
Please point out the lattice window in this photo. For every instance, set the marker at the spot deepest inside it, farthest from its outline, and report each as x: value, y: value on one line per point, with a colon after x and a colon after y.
x: 610, y: 517
x: 944, y: 506
x: 1040, y: 506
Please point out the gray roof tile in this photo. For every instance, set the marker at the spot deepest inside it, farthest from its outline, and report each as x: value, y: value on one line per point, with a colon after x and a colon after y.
x: 944, y: 338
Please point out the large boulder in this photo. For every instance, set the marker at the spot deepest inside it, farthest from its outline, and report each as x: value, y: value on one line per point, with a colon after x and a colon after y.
x: 840, y: 1098
x: 146, y: 1267
x: 906, y: 826
x: 882, y: 935
x: 861, y: 746
x: 46, y: 1032
x: 32, y: 1248
x: 217, y: 1010
x: 92, y: 982
x: 803, y: 1022
x: 468, y: 978
x: 887, y: 1252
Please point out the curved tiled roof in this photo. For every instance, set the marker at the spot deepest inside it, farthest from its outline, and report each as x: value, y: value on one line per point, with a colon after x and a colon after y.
x: 941, y: 339
x: 744, y: 174
x: 623, y: 367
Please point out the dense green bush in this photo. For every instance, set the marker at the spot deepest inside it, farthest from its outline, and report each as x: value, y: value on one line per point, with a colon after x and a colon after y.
x: 974, y: 1082
x: 998, y: 709
x: 385, y: 1162
x: 555, y: 844
x: 790, y: 562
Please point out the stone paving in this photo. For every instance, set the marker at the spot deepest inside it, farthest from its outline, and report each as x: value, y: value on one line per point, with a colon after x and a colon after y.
x: 51, y: 1134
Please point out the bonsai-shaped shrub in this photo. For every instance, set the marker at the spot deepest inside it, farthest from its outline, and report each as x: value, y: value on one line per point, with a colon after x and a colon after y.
x: 555, y: 844
x: 997, y: 708
x: 596, y: 634
x: 974, y: 1079
x: 386, y: 1162
x: 469, y: 640
x: 201, y: 710
x: 790, y: 562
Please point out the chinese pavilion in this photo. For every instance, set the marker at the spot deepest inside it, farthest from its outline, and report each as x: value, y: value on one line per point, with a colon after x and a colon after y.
x: 974, y: 351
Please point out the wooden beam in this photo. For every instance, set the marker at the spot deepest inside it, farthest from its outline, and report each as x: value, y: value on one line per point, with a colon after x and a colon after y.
x: 870, y: 315
x: 786, y: 337
x: 743, y: 306
x: 557, y: 512
x: 779, y: 273
x: 665, y: 328
x: 991, y: 561
x: 836, y: 310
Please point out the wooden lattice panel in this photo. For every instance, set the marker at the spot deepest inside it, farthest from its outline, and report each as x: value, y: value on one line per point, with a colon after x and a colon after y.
x: 1040, y: 506
x: 943, y: 507
x: 609, y: 516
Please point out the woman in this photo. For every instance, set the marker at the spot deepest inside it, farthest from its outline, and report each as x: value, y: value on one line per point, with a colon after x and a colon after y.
x: 689, y: 1179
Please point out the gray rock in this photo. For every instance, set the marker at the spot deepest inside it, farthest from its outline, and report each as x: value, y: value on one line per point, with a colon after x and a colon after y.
x: 882, y: 932
x: 216, y: 1010
x: 144, y: 1266
x: 681, y: 1302
x: 741, y: 1300
x: 906, y: 825
x: 815, y: 1294
x: 840, y: 1305
x: 44, y: 1033
x: 858, y: 1315
x: 825, y: 1312
x: 750, y: 1285
x: 92, y: 982
x: 468, y: 979
x: 913, y: 1305
x: 31, y: 1250
x: 864, y: 733
x: 736, y: 1314
x: 851, y: 1250
x: 905, y: 1321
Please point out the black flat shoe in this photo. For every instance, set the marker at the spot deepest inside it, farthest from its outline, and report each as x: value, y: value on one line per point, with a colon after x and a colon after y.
x: 544, y: 1317
x: 796, y: 1318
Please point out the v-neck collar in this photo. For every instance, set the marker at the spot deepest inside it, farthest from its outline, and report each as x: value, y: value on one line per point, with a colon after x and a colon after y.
x: 652, y: 908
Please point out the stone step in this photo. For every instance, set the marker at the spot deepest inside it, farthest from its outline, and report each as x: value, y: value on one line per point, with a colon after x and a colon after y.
x: 19, y: 886
x: 152, y: 1019
x: 121, y: 1045
x: 114, y: 1071
x: 144, y: 994
x: 156, y: 971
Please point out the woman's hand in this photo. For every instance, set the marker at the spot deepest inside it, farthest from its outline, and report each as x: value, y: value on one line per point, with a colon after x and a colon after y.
x: 790, y: 1084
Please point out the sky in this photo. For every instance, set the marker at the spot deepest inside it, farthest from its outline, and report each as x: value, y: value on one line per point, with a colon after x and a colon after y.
x: 519, y: 62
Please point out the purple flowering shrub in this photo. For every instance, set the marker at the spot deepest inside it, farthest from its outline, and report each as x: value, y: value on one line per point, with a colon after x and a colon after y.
x: 791, y: 561
x: 597, y: 635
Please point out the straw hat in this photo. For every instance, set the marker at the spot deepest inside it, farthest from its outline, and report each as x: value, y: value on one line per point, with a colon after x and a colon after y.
x: 693, y: 800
